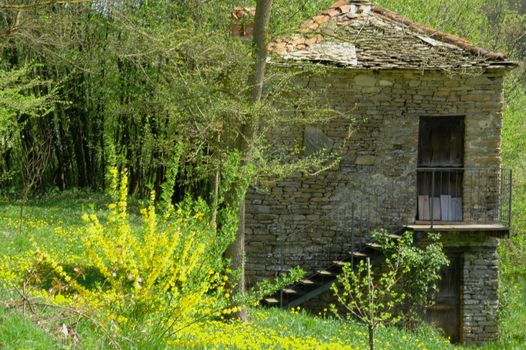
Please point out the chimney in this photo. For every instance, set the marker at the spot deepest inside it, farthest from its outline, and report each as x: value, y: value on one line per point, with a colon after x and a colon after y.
x: 243, y: 26
x: 350, y: 2
x: 353, y: 6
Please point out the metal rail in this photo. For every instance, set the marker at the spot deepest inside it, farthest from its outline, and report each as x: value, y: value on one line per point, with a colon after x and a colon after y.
x: 482, y: 196
x: 464, y: 195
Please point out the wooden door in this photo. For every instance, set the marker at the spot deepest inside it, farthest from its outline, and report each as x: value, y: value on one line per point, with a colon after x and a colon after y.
x: 445, y: 313
x: 440, y: 168
x: 441, y: 142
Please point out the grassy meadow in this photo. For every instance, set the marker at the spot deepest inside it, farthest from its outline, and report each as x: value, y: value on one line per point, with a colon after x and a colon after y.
x: 54, y: 222
x: 160, y: 86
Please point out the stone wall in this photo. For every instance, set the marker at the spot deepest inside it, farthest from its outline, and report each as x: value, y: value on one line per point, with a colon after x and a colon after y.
x: 309, y: 221
x: 479, y: 285
x: 480, y: 296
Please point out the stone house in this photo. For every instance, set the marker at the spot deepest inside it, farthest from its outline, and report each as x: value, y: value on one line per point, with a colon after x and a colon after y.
x: 423, y: 155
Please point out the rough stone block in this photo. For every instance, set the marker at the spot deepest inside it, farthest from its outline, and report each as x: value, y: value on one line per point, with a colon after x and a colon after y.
x: 315, y: 140
x: 365, y: 80
x: 365, y: 160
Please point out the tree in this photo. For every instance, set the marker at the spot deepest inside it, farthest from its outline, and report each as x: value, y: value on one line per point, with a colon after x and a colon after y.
x: 140, y: 78
x: 369, y: 298
x: 245, y: 141
x: 397, y: 289
x: 23, y: 100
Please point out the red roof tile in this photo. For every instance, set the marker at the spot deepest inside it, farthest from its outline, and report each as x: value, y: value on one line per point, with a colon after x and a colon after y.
x: 379, y: 38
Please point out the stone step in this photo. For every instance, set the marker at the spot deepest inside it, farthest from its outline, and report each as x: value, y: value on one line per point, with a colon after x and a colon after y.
x: 373, y: 245
x: 303, y: 290
x: 325, y: 273
x: 289, y: 291
x: 359, y: 254
x: 271, y: 301
x: 307, y: 282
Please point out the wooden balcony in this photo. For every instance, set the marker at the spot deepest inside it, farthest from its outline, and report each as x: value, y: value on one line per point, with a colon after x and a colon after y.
x: 463, y: 199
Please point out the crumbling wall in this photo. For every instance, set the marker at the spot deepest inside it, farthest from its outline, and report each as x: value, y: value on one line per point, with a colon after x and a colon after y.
x: 309, y: 220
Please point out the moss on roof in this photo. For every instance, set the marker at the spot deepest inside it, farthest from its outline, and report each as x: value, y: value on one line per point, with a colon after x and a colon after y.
x: 359, y: 35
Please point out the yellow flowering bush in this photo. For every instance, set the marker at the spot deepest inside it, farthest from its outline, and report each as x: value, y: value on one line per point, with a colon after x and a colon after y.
x: 147, y: 281
x: 247, y: 336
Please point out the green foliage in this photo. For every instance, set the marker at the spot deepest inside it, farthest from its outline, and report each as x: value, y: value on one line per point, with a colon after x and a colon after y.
x: 369, y: 296
x: 512, y: 251
x: 170, y: 181
x: 398, y: 289
x: 465, y: 18
x: 287, y: 16
x: 421, y: 265
x: 19, y: 105
x: 267, y: 287
x: 16, y: 98
x: 146, y: 282
x: 364, y: 295
x: 18, y: 332
x: 144, y: 78
x: 512, y: 315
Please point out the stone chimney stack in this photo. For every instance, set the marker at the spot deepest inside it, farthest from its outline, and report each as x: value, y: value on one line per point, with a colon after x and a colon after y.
x: 353, y: 6
x: 243, y: 26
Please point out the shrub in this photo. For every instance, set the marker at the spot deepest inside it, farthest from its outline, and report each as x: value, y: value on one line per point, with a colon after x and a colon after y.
x: 421, y: 264
x: 369, y: 296
x: 144, y: 281
x: 399, y: 289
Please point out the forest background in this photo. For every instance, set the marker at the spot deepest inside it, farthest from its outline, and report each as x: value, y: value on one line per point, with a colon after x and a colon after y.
x: 88, y: 84
x: 126, y: 83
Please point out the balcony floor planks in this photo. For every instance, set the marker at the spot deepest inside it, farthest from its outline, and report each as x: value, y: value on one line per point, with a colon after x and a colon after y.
x: 459, y: 227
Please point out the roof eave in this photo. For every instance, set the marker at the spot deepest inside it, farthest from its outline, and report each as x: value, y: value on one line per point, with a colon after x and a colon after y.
x: 440, y: 36
x: 500, y: 66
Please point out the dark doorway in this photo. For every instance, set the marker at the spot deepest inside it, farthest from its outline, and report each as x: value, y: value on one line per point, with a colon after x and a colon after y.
x: 445, y: 313
x: 440, y: 168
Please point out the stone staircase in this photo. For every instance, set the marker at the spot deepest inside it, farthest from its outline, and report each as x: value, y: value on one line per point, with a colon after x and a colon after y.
x: 321, y: 280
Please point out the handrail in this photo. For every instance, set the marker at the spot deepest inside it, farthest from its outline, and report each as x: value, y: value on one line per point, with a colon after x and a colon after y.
x: 484, y: 195
x: 467, y: 194
x: 459, y: 168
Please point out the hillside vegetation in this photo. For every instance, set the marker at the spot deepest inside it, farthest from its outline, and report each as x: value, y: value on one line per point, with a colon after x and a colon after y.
x: 54, y: 223
x: 160, y: 88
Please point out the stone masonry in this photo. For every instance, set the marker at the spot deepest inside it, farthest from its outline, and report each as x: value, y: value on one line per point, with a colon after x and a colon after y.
x: 479, y: 285
x: 384, y: 74
x: 307, y: 221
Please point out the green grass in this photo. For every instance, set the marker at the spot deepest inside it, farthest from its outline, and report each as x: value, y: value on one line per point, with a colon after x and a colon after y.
x: 20, y: 328
x: 43, y: 218
x: 512, y: 315
x: 304, y: 324
x: 38, y: 221
x: 19, y: 332
x: 513, y: 251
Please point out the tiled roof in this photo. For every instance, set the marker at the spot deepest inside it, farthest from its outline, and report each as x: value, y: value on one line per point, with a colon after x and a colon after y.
x: 357, y: 34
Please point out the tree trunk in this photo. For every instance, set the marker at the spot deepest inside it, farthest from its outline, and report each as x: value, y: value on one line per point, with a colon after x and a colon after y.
x: 237, y: 250
x: 371, y: 337
x: 371, y: 322
x: 215, y: 196
x: 260, y: 43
